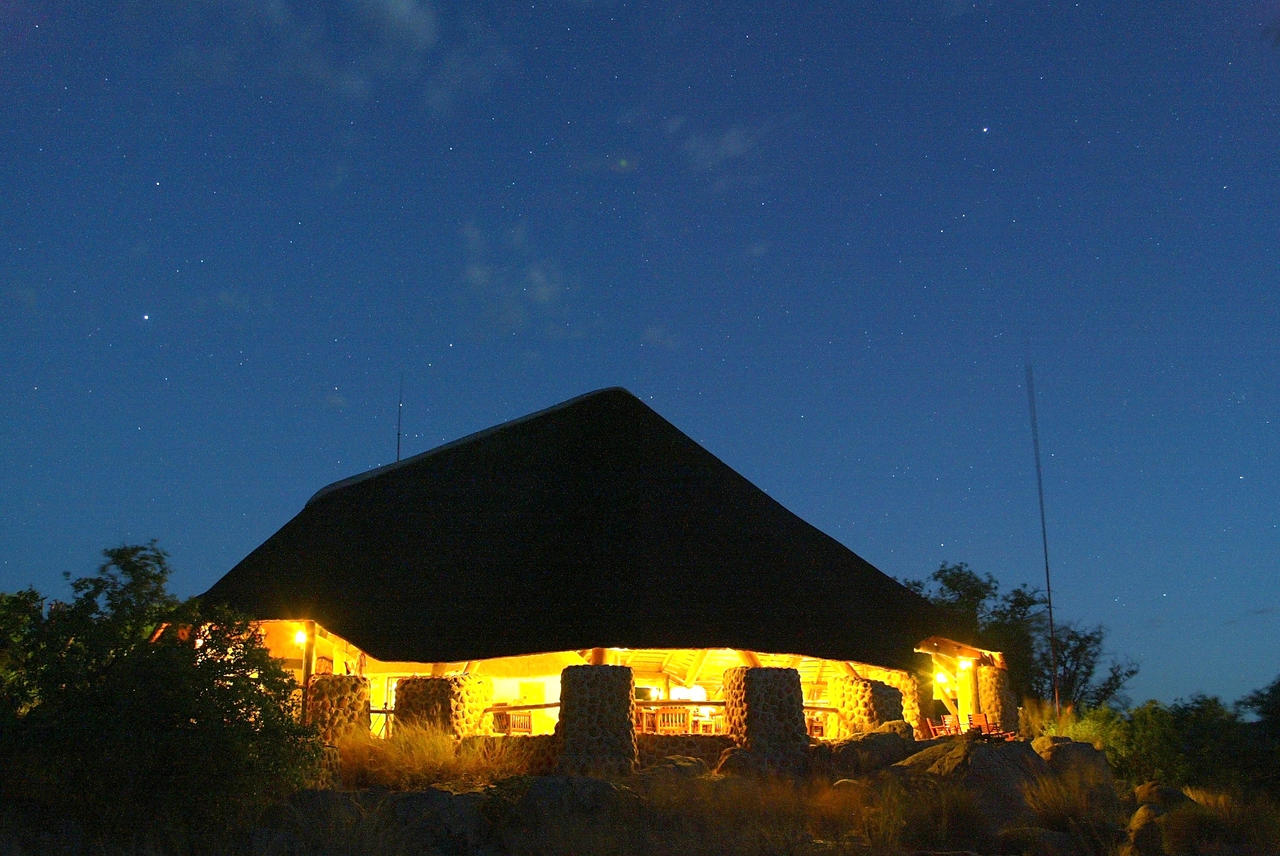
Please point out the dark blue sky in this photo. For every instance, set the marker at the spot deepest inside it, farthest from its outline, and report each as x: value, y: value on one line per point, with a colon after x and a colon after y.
x: 822, y: 241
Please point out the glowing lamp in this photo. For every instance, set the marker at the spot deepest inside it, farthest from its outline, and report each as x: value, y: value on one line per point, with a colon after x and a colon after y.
x: 966, y: 664
x: 940, y: 677
x: 300, y: 638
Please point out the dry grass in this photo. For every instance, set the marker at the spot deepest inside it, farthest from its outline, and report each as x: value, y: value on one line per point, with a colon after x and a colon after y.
x: 1081, y: 806
x: 1218, y: 823
x: 416, y: 757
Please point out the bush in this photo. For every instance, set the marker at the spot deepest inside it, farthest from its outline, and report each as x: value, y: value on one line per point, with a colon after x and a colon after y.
x: 142, y: 720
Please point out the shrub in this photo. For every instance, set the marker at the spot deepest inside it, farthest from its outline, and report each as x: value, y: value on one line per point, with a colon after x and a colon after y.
x: 144, y: 735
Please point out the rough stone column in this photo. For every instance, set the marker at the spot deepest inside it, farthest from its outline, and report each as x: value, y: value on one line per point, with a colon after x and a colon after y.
x: 764, y: 711
x: 996, y: 698
x: 338, y: 705
x: 906, y: 683
x: 454, y: 704
x: 596, y: 726
x: 864, y: 705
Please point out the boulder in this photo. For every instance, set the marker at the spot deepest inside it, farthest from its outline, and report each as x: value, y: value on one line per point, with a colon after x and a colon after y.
x: 1036, y: 841
x: 677, y: 767
x: 1163, y: 796
x: 996, y: 774
x: 1145, y: 837
x: 867, y: 753
x: 439, y: 821
x: 1081, y: 765
x: 900, y: 727
x: 550, y: 799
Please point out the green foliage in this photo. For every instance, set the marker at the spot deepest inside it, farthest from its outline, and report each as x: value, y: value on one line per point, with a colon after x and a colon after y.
x: 20, y: 614
x: 1265, y: 705
x: 125, y: 706
x: 1200, y: 742
x: 1016, y: 624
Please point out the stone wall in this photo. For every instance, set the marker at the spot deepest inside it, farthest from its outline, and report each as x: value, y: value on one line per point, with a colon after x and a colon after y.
x: 597, y: 724
x: 996, y: 698
x: 863, y: 705
x: 764, y: 712
x: 455, y: 703
x: 338, y: 705
x: 708, y: 747
x: 912, y: 700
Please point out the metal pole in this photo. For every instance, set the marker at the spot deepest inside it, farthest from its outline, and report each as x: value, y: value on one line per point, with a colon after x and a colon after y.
x: 1044, y: 540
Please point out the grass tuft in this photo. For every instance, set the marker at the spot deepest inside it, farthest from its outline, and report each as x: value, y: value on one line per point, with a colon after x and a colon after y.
x: 417, y: 756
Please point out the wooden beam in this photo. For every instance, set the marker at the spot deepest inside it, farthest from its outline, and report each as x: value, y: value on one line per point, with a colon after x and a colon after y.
x: 695, y: 666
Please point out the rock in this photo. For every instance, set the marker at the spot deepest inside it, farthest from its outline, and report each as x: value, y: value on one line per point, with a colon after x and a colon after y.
x: 740, y: 761
x: 1144, y: 833
x: 1035, y: 841
x: 1154, y: 793
x: 550, y: 799
x: 1081, y: 765
x: 900, y: 727
x: 440, y: 821
x: 679, y: 767
x: 868, y: 753
x: 994, y: 773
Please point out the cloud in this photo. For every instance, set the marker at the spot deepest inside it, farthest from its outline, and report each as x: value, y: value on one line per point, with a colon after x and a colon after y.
x: 349, y: 48
x: 719, y: 156
x: 658, y: 336
x: 510, y: 288
x: 707, y: 153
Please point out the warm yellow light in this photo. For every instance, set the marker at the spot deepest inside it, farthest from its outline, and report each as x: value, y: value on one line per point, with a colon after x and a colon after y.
x: 300, y: 638
x: 940, y: 677
x: 966, y: 664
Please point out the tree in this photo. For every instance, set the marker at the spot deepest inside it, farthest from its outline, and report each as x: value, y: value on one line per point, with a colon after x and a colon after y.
x: 126, y: 709
x: 1265, y: 704
x: 1016, y: 623
x: 1079, y: 653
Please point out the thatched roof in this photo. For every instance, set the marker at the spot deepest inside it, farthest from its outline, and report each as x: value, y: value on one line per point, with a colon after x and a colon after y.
x: 594, y: 523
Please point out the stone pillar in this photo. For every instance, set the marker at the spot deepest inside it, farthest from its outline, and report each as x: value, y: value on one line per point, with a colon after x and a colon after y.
x: 597, y: 725
x: 864, y: 705
x: 764, y: 711
x: 906, y: 683
x: 996, y: 698
x: 454, y: 704
x: 338, y: 705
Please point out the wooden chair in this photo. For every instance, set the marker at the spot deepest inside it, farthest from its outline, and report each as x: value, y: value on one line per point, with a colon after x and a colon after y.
x: 673, y: 720
x: 950, y: 723
x: 521, y: 722
x: 937, y: 728
x: 980, y: 722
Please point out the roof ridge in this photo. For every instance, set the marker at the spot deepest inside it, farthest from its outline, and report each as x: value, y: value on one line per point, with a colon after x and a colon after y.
x: 384, y: 469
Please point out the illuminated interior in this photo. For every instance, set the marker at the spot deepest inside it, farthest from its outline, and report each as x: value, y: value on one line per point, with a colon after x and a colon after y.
x: 532, y: 682
x: 955, y: 674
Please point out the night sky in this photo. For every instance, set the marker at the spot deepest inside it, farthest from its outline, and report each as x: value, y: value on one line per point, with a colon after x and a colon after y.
x: 823, y: 239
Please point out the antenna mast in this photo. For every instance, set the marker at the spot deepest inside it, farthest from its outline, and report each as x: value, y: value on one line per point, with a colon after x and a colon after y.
x: 399, y: 411
x: 1044, y: 540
